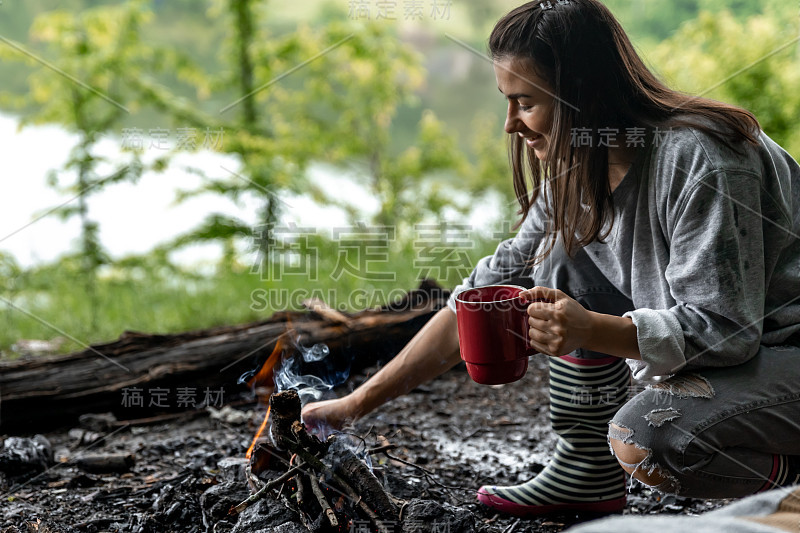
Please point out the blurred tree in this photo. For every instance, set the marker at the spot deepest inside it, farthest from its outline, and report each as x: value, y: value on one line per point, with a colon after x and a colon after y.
x: 743, y: 9
x: 649, y: 22
x: 93, y: 54
x: 240, y: 126
x: 760, y: 72
x: 11, y: 277
x: 358, y: 93
x: 325, y: 93
x: 653, y: 20
x: 492, y: 171
x: 483, y: 14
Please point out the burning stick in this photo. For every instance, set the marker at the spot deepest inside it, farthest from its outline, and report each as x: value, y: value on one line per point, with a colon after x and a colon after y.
x: 308, y: 441
x: 323, y: 502
x: 285, y: 410
x: 358, y: 475
x: 286, y: 476
x: 382, y: 449
x: 298, y: 481
x: 371, y: 494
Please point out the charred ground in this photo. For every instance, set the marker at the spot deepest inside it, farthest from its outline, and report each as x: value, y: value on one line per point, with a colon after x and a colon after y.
x: 462, y: 434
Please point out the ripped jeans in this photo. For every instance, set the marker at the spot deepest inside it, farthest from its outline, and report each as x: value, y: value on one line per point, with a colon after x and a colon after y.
x: 713, y: 433
x: 718, y: 432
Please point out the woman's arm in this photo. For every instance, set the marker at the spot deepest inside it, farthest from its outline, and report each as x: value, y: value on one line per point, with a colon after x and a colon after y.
x: 614, y: 335
x: 432, y: 351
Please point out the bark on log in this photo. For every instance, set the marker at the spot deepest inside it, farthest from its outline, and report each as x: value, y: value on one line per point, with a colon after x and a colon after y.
x: 357, y: 475
x: 41, y: 393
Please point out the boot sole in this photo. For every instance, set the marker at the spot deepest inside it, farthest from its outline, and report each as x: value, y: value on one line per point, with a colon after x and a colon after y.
x: 516, y: 509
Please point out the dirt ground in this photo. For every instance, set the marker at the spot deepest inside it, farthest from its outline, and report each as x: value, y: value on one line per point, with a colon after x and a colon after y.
x: 462, y: 434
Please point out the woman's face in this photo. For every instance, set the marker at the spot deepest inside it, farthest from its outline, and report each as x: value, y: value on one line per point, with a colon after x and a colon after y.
x: 530, y: 103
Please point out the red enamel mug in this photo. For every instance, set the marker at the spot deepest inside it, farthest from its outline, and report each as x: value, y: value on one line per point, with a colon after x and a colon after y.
x: 493, y: 333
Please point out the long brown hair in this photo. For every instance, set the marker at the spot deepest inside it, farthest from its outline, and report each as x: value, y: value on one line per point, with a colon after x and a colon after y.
x: 600, y: 82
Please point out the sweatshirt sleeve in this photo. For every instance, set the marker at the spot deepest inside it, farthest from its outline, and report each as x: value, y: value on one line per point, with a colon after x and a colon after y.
x: 512, y: 258
x: 716, y: 276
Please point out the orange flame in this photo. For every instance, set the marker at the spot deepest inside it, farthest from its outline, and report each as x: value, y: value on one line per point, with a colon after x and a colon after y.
x: 258, y: 435
x: 264, y: 376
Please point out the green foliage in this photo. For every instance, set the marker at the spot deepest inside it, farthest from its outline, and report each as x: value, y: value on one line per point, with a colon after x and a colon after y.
x: 649, y: 22
x: 148, y: 293
x: 744, y: 9
x: 354, y: 94
x: 760, y: 73
x: 12, y: 276
x: 322, y: 93
x: 91, y: 51
x: 491, y: 171
x: 95, y: 51
x: 350, y: 94
x: 418, y: 183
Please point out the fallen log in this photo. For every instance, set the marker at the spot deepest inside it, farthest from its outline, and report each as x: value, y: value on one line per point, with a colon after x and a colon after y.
x: 45, y: 392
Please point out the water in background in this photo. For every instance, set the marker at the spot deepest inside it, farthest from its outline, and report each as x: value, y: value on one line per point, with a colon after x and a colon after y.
x: 132, y: 218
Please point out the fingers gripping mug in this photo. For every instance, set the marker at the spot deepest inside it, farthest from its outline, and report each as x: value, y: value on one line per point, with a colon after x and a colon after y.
x: 493, y: 333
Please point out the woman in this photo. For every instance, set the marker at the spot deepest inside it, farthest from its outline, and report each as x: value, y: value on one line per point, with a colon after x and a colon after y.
x: 664, y: 232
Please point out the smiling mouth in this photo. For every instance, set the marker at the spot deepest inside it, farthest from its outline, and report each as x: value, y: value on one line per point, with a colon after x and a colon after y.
x: 534, y: 141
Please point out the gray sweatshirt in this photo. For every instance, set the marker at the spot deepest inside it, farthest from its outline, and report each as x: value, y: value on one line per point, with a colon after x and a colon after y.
x: 705, y: 243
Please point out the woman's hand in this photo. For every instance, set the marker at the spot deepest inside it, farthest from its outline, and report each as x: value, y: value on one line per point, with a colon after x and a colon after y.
x: 321, y: 417
x: 558, y: 324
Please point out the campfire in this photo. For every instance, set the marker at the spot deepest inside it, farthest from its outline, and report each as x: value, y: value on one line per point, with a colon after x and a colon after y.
x: 325, y: 483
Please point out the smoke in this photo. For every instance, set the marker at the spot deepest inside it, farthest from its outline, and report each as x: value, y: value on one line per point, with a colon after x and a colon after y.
x: 311, y: 387
x: 318, y: 352
x: 314, y: 373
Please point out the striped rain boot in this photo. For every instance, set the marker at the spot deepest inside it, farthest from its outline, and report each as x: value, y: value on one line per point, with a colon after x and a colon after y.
x: 582, y: 475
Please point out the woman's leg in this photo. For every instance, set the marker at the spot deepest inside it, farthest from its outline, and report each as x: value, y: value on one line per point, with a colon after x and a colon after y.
x: 717, y: 432
x: 586, y: 389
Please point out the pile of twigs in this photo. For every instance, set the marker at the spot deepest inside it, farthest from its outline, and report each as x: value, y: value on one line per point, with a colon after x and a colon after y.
x: 325, y: 483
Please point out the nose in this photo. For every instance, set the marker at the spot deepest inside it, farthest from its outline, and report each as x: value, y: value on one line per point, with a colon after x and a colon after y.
x: 513, y: 122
